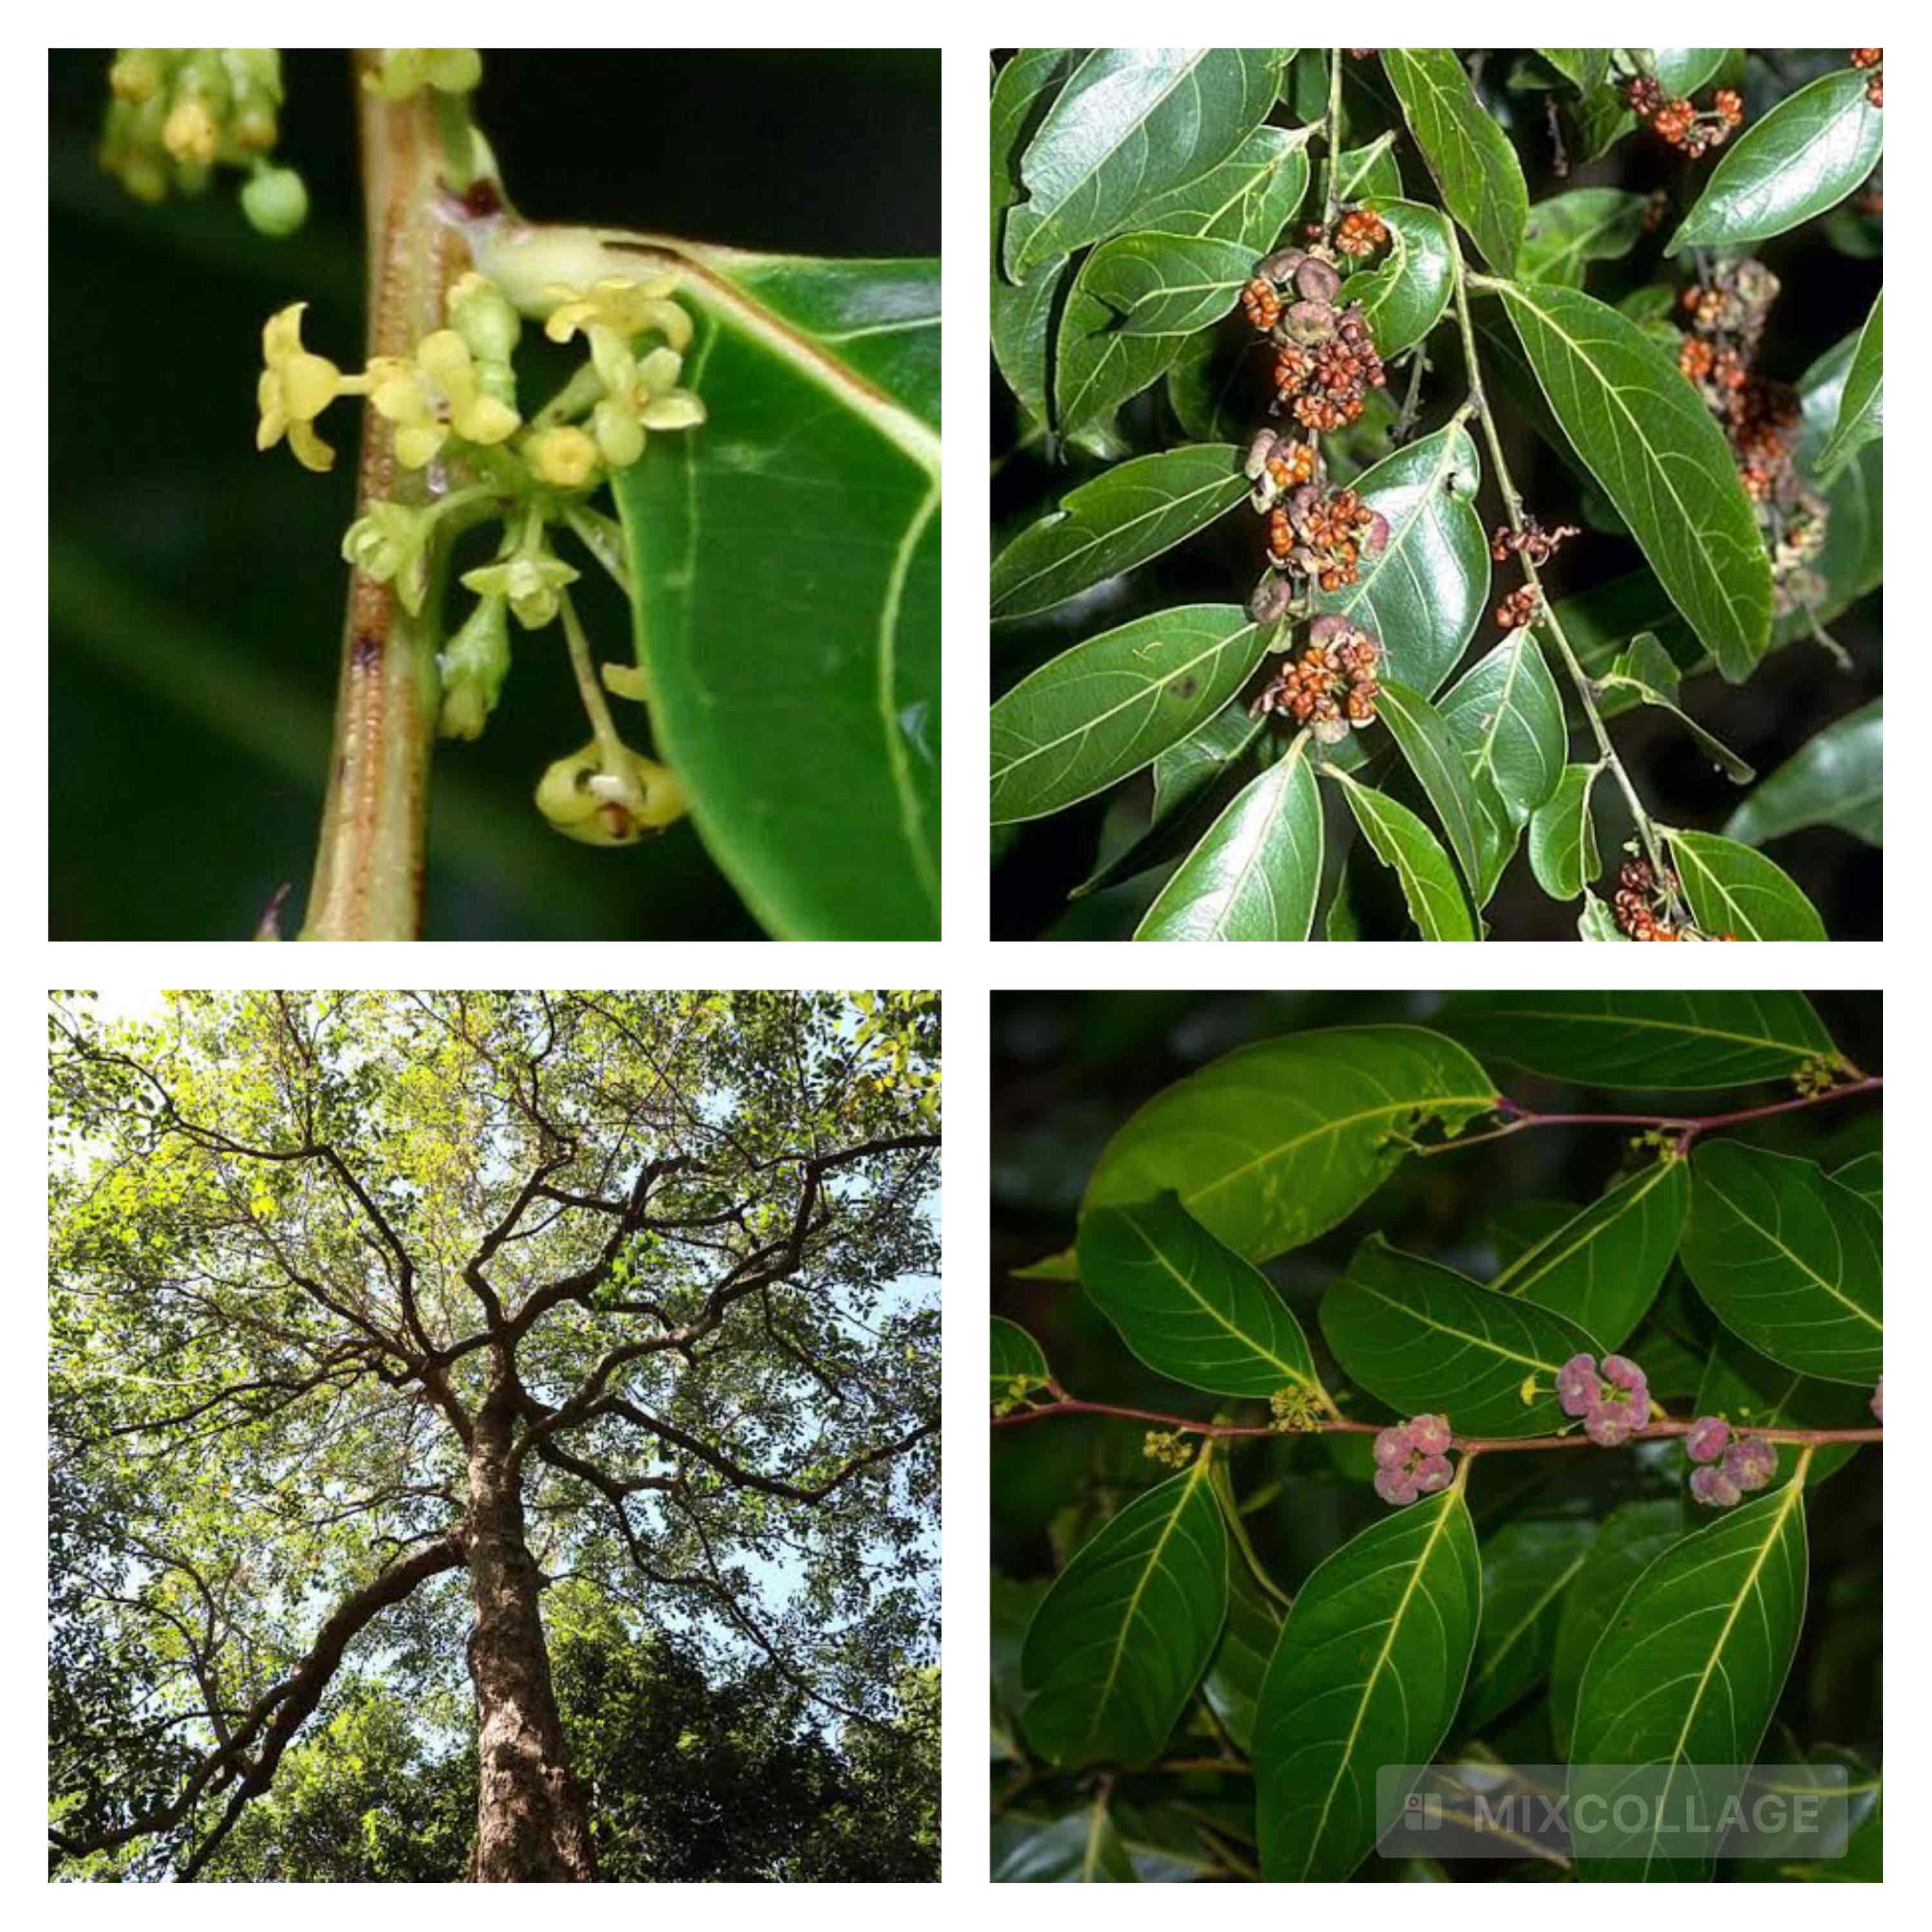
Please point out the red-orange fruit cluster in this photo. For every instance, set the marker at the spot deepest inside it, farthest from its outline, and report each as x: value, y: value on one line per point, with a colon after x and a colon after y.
x: 1331, y: 687
x: 1680, y: 121
x: 1361, y: 232
x: 1532, y: 541
x: 1323, y: 535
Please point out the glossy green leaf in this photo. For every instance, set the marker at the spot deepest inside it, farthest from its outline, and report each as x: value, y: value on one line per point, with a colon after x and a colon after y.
x: 1563, y: 836
x: 1189, y: 1307
x: 1369, y: 171
x: 1684, y: 1679
x: 1805, y: 156
x: 1127, y: 514
x: 1527, y: 1568
x: 1422, y: 596
x: 1506, y: 715
x: 1648, y: 439
x: 1653, y: 1041
x: 1731, y: 888
x: 1250, y: 197
x: 1862, y: 410
x: 1596, y: 924
x: 1256, y: 872
x: 1751, y: 1391
x: 1404, y: 296
x: 1627, y: 1542
x: 1021, y: 316
x: 1116, y: 1649
x: 1469, y: 157
x: 1131, y: 124
x: 1403, y: 843
x: 1648, y: 674
x: 1598, y: 121
x: 1865, y: 1176
x: 1368, y: 1672
x: 1603, y: 1266
x: 1583, y: 67
x: 1272, y: 1144
x: 1837, y: 778
x: 1569, y: 231
x: 812, y: 772
x: 1155, y: 284
x: 1082, y: 1848
x: 1112, y: 705
x: 1682, y: 70
x: 1426, y: 1339
x: 1019, y: 1365
x: 1788, y: 1260
x: 1432, y: 755
x: 1233, y: 1684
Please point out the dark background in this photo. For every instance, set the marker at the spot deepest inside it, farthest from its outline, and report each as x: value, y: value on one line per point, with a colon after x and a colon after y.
x: 196, y: 587
x: 1794, y: 693
x: 1068, y: 1069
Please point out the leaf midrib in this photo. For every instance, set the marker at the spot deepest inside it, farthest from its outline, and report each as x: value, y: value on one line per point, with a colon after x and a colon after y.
x: 1797, y: 1260
x: 1652, y: 1179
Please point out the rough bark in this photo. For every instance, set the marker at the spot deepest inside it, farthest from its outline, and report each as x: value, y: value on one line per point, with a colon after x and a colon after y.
x: 531, y: 1824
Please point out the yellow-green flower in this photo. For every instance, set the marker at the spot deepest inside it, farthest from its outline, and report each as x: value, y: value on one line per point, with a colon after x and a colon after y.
x: 531, y: 582
x: 390, y: 543
x: 564, y: 456
x: 295, y: 388
x: 585, y: 802
x: 639, y: 396
x: 473, y: 669
x: 405, y: 71
x: 625, y: 308
x: 441, y: 382
x: 189, y: 133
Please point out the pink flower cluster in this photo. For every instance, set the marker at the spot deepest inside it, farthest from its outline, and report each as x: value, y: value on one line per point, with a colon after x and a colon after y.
x: 1611, y: 1403
x: 1409, y: 1459
x: 1732, y: 1464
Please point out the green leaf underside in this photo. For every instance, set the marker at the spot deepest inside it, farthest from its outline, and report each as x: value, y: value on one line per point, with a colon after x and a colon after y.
x: 1563, y: 851
x: 1655, y: 1042
x: 1112, y: 705
x: 1423, y: 595
x: 1016, y: 1359
x: 1527, y: 1566
x: 1751, y: 1391
x: 1431, y: 753
x: 1649, y: 673
x: 1603, y: 1266
x: 1407, y: 846
x: 1861, y: 408
x: 1865, y: 1177
x: 1625, y: 1545
x: 1467, y: 154
x: 1117, y: 1647
x: 1837, y: 778
x: 1256, y: 872
x: 1272, y: 1144
x: 1190, y: 1308
x: 1429, y: 1341
x: 1732, y: 889
x: 1789, y: 1260
x: 1684, y: 1679
x: 1368, y: 1671
x: 1568, y: 232
x: 812, y: 769
x: 1233, y: 1684
x: 1404, y: 296
x: 1131, y: 124
x: 1806, y: 155
x: 1131, y: 513
x: 1647, y: 437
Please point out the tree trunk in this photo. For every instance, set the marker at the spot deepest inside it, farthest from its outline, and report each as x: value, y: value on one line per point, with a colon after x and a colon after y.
x: 531, y: 1825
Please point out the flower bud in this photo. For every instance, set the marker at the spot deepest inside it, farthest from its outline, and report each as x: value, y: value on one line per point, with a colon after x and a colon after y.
x: 1705, y: 1441
x: 275, y: 201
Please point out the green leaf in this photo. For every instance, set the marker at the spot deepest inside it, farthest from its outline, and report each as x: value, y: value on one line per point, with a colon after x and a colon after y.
x: 1652, y: 1041
x: 1648, y: 673
x: 1154, y: 284
x: 1403, y: 297
x: 1018, y: 1365
x: 1751, y: 1391
x: 812, y: 773
x: 1788, y: 1260
x: 1568, y: 232
x: 1368, y: 1672
x: 1807, y: 154
x: 1370, y: 172
x: 1403, y: 842
x: 1112, y: 705
x: 1732, y: 889
x: 1250, y: 197
x: 1258, y: 868
x: 1527, y: 1566
x: 1271, y: 1145
x: 1685, y: 1679
x: 1682, y: 70
x: 1233, y: 1684
x: 1563, y: 837
x: 1424, y: 741
x: 1131, y: 124
x: 1427, y: 1340
x: 1021, y: 313
x: 1627, y: 1541
x: 1602, y: 1266
x: 1861, y: 411
x: 1505, y: 714
x: 1188, y: 1306
x: 1596, y: 923
x: 1422, y: 596
x: 1583, y: 67
x: 1837, y: 778
x: 1123, y: 517
x: 1648, y: 439
x: 1082, y: 1848
x: 1865, y: 1177
x: 1115, y: 1651
x: 1474, y: 168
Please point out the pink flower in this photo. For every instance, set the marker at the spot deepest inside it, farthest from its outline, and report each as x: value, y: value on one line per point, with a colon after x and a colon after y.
x: 1620, y: 1370
x: 1750, y: 1462
x: 1430, y: 1434
x: 1392, y: 1447
x: 1713, y: 1487
x: 1576, y: 1384
x: 1409, y: 1461
x: 1704, y: 1442
x: 1396, y: 1486
x: 1433, y: 1473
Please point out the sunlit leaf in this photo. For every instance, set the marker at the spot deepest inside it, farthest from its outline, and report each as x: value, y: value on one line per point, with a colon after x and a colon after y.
x: 1732, y: 889
x: 1425, y: 742
x: 1470, y: 157
x: 1021, y: 313
x: 1569, y: 231
x: 1862, y: 410
x: 1403, y: 843
x: 1563, y: 837
x: 1404, y: 296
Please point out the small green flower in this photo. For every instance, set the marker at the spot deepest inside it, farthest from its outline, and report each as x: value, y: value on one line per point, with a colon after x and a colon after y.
x: 390, y: 543
x: 531, y: 582
x: 473, y: 669
x: 437, y: 394
x: 407, y: 70
x: 587, y: 802
x: 275, y: 201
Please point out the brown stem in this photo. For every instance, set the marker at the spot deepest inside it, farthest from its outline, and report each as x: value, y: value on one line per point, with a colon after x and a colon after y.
x: 375, y: 818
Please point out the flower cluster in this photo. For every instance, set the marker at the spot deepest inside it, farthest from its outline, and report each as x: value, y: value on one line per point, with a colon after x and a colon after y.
x: 1295, y: 1407
x: 1410, y: 1461
x: 1680, y: 121
x: 1519, y: 607
x: 1331, y: 687
x: 1361, y: 232
x: 178, y: 113
x: 1870, y: 60
x: 1325, y: 359
x: 1610, y: 1403
x: 1817, y: 1076
x: 1168, y: 1447
x: 1729, y: 1464
x: 1532, y: 541
x: 1321, y: 535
